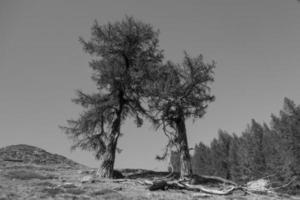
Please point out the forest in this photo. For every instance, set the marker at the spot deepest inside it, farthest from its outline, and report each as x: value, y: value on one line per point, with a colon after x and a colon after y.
x: 269, y: 151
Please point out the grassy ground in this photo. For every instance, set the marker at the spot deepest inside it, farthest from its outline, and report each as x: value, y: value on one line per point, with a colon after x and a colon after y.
x: 28, y: 181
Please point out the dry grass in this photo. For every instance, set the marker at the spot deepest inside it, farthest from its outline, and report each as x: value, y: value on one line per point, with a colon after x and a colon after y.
x: 45, y: 184
x: 52, y: 192
x: 27, y: 175
x: 29, y: 181
x: 76, y: 191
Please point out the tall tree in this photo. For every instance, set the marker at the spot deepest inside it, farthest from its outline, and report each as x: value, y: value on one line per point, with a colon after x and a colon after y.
x: 273, y: 150
x: 287, y: 125
x: 234, y: 159
x: 253, y: 157
x: 181, y: 91
x: 220, y: 149
x: 202, y: 160
x: 123, y: 53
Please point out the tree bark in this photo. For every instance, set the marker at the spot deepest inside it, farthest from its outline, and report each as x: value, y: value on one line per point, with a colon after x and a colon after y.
x: 106, y: 169
x: 185, y: 158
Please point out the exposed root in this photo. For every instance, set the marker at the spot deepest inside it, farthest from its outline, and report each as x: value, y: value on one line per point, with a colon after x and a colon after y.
x: 215, y: 191
x: 223, y: 186
x: 222, y: 180
x: 285, y: 185
x: 183, y: 185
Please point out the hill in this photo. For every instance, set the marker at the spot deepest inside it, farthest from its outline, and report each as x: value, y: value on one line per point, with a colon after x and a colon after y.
x: 27, y: 154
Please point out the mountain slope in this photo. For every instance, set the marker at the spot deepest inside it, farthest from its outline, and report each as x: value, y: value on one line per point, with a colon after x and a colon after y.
x: 30, y: 154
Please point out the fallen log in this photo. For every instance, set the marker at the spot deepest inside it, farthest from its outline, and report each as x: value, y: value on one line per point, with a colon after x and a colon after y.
x: 159, y: 185
x: 216, y: 178
x: 285, y: 185
x: 164, y: 185
x: 214, y: 191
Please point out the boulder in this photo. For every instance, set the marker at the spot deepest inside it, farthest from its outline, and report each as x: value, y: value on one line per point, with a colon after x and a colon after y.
x: 87, y: 179
x: 117, y: 175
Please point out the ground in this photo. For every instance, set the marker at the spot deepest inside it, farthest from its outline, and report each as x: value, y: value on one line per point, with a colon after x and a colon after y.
x: 20, y: 179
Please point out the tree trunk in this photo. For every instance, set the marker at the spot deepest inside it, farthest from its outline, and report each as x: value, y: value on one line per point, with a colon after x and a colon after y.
x: 106, y: 168
x: 185, y: 158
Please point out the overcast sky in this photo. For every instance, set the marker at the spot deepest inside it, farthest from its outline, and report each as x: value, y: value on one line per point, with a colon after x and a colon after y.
x: 255, y: 43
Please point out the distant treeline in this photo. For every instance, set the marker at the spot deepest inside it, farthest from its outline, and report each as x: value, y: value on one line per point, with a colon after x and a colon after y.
x: 261, y: 151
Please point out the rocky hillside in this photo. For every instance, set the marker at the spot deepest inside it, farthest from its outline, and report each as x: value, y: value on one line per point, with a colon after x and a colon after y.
x: 27, y: 154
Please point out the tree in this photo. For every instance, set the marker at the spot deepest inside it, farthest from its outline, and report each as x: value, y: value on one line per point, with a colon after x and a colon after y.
x: 253, y: 158
x: 220, y: 149
x: 287, y: 126
x: 181, y: 91
x: 273, y: 150
x: 123, y: 53
x: 234, y: 159
x: 202, y: 160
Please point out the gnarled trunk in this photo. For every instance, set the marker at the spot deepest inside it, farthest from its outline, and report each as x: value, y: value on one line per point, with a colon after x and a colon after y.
x: 108, y: 159
x: 106, y: 168
x: 185, y: 158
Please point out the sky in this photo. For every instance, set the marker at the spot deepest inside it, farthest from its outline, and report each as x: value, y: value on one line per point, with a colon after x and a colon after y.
x: 255, y: 44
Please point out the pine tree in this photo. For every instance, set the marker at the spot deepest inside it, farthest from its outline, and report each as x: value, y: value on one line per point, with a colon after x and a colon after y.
x: 202, y: 160
x: 287, y: 126
x: 253, y: 159
x: 123, y: 53
x: 234, y: 159
x: 220, y: 149
x: 273, y: 151
x: 181, y: 91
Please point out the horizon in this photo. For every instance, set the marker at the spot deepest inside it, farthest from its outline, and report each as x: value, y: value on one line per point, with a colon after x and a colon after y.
x: 255, y: 45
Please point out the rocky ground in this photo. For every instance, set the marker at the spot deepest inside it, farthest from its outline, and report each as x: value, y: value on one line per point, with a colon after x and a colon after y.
x: 28, y: 172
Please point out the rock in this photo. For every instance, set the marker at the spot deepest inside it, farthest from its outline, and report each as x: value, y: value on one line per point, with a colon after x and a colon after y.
x: 69, y: 185
x: 260, y: 185
x: 158, y: 185
x: 117, y: 189
x: 200, y: 195
x: 117, y: 175
x: 86, y: 179
x: 62, y: 179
